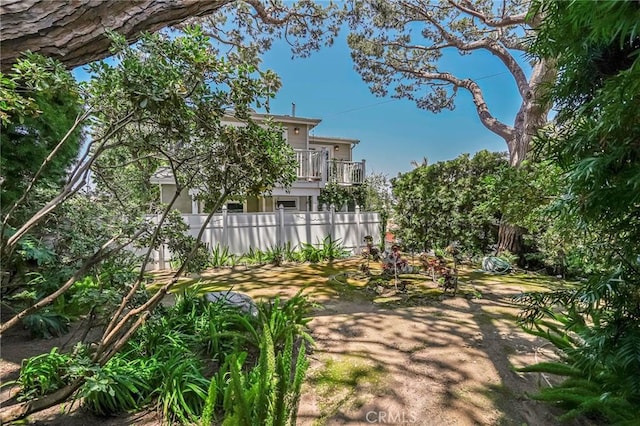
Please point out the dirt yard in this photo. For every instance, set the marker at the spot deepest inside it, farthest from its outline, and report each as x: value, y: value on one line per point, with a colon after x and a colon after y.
x: 381, y: 357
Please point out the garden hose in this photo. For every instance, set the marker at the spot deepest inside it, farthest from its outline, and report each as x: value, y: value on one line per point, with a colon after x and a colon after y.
x: 496, y: 265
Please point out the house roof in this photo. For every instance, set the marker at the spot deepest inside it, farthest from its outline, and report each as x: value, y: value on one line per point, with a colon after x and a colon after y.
x: 162, y: 175
x: 311, y: 122
x: 329, y: 139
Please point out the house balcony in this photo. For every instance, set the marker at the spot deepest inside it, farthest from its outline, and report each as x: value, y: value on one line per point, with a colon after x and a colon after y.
x: 314, y: 166
x: 346, y: 172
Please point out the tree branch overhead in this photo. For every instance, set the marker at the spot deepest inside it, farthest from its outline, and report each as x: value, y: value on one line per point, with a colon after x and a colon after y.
x: 75, y: 32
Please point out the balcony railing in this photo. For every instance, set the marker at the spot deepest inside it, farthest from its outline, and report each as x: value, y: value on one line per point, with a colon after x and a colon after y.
x: 346, y: 172
x: 314, y: 166
x: 310, y: 164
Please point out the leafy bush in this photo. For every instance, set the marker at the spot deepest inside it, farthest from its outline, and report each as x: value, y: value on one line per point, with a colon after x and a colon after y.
x: 43, y: 374
x: 599, y: 357
x: 46, y: 323
x: 195, y: 360
x: 269, y: 393
x: 124, y: 383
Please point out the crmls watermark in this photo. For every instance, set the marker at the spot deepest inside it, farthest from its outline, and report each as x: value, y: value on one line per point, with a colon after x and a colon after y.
x: 390, y: 417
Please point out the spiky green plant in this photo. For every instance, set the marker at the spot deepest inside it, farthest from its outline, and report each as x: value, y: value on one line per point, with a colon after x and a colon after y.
x: 254, y: 257
x: 43, y: 374
x: 275, y: 255
x: 606, y: 388
x: 220, y: 257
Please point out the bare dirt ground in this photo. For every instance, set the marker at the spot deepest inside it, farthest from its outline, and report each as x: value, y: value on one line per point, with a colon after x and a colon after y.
x: 379, y: 359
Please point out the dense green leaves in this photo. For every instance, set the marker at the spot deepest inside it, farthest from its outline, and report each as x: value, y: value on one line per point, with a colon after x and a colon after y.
x: 40, y: 103
x: 445, y: 202
x: 595, y: 144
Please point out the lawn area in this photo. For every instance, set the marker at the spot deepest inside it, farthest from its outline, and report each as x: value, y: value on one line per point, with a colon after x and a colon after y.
x: 417, y: 356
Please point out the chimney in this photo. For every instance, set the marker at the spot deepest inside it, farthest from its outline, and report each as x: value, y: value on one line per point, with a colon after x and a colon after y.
x: 293, y: 109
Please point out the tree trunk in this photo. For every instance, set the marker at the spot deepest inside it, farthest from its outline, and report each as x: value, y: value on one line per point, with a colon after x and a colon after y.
x: 533, y: 112
x: 510, y: 238
x: 74, y: 32
x: 531, y: 117
x: 19, y: 411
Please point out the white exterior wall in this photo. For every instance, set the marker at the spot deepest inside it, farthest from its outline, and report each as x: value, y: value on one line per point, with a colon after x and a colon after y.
x: 242, y: 231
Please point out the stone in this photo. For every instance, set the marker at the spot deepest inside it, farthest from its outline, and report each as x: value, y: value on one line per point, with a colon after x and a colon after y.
x: 241, y: 301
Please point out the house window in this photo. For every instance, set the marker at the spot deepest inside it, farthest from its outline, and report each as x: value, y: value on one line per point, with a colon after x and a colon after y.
x: 287, y: 204
x: 235, y: 208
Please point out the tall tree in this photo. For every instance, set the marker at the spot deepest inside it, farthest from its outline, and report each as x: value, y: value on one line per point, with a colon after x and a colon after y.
x: 397, y: 47
x: 29, y: 134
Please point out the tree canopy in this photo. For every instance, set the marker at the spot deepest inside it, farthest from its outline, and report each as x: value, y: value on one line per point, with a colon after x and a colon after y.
x: 36, y: 115
x: 398, y: 48
x: 594, y: 141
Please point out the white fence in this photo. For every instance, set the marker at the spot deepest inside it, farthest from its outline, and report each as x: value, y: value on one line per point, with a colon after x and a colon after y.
x: 242, y: 231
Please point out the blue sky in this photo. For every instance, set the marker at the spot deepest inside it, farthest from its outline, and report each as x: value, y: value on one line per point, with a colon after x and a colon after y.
x: 392, y: 133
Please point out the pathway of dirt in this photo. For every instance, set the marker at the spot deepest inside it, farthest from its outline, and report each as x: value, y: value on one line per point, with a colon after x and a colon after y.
x: 449, y: 363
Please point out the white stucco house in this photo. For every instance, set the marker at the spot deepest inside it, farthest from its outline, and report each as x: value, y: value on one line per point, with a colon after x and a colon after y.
x: 321, y: 160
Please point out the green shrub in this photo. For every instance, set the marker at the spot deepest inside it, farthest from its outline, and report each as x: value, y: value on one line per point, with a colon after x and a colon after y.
x: 220, y: 257
x: 602, y: 375
x: 124, y: 383
x: 46, y: 323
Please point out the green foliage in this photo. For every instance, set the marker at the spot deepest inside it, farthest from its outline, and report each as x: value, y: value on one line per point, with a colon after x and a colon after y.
x: 275, y: 255
x: 161, y: 101
x: 291, y: 254
x: 600, y: 382
x: 124, y: 384
x: 446, y: 201
x: 392, y: 59
x: 270, y: 392
x: 182, y: 388
x: 594, y: 143
x: 48, y: 372
x: 39, y: 105
x: 327, y: 249
x: 254, y: 257
x: 341, y: 196
x: 221, y: 257
x: 46, y: 323
x: 165, y: 364
x: 598, y: 95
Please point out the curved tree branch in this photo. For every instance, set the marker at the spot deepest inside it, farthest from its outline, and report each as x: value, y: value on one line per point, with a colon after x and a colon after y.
x: 488, y: 44
x: 487, y: 119
x: 466, y: 7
